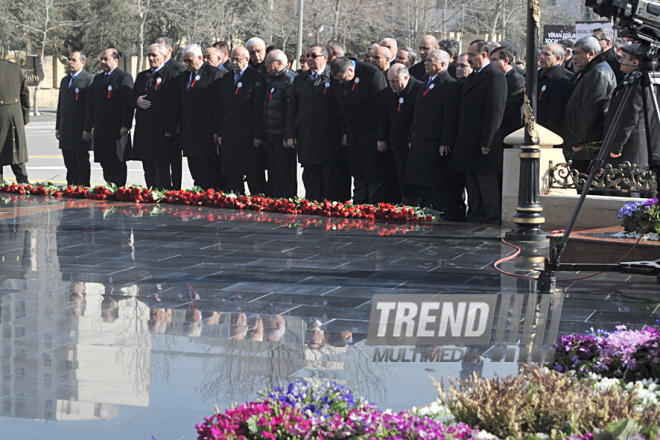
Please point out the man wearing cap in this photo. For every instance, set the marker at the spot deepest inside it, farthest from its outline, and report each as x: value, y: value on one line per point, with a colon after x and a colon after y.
x: 605, y: 38
x: 629, y: 142
x: 554, y: 84
x: 110, y: 117
x: 70, y: 123
x: 302, y: 62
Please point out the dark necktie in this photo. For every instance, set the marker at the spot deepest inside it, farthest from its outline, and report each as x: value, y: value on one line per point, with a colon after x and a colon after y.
x: 237, y: 76
x: 429, y: 82
x: 105, y: 78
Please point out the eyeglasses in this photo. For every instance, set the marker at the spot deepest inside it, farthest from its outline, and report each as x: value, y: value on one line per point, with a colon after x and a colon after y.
x: 314, y: 55
x: 237, y: 59
x: 188, y: 61
x: 424, y: 48
x: 208, y: 57
x: 73, y: 59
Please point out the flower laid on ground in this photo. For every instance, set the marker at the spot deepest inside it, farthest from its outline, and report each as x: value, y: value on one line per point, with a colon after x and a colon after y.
x: 627, y: 354
x: 219, y: 199
x: 640, y: 217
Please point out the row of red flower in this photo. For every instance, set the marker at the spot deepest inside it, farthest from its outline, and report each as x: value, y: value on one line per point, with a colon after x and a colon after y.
x: 219, y: 199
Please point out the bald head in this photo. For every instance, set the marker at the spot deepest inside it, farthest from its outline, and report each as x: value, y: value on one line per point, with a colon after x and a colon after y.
x: 240, y: 58
x: 390, y: 43
x: 398, y: 77
x: 213, y: 56
x: 381, y: 58
x: 276, y: 62
x: 427, y: 44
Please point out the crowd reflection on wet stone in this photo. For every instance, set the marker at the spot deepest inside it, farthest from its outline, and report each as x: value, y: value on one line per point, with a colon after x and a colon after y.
x: 140, y: 320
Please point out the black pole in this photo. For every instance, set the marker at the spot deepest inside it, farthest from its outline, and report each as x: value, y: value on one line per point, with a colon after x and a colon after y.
x: 529, y: 217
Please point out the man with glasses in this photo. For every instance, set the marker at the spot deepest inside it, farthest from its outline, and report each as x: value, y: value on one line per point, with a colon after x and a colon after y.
x: 257, y: 49
x: 241, y: 125
x: 194, y: 111
x: 605, y: 38
x: 213, y: 56
x: 70, y: 122
x: 110, y: 117
x: 426, y: 44
x: 314, y: 127
x: 152, y: 95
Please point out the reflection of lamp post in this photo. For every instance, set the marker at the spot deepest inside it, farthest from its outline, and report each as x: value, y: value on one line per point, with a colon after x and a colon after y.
x: 300, y: 31
x: 529, y: 217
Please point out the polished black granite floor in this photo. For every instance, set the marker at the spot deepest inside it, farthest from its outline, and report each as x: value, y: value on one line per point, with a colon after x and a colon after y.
x: 125, y: 321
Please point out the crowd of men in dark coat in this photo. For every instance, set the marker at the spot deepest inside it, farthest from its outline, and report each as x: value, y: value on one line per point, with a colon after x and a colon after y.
x: 421, y: 133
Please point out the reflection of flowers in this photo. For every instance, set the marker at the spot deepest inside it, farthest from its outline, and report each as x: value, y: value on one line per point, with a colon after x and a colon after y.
x: 219, y: 199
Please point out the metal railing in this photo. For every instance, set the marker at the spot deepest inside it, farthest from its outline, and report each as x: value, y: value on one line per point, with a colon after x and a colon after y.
x: 626, y: 180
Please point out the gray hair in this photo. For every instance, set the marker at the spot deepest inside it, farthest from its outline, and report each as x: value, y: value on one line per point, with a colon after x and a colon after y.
x: 254, y: 41
x: 451, y: 44
x: 161, y: 48
x: 193, y: 49
x: 389, y: 39
x: 558, y: 50
x: 165, y: 41
x: 82, y: 57
x: 340, y: 66
x: 588, y: 44
x: 322, y: 49
x: 277, y: 55
x: 400, y: 70
x: 440, y: 55
x: 336, y: 46
x: 372, y: 47
x: 411, y: 53
x: 607, y: 34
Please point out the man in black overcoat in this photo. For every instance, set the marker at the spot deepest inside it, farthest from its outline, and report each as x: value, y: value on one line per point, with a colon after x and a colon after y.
x: 282, y: 167
x: 313, y: 126
x: 629, y: 144
x: 110, y: 117
x: 478, y: 148
x: 426, y: 44
x: 357, y: 95
x: 432, y: 136
x: 70, y: 122
x: 605, y: 39
x: 195, y: 110
x: 241, y: 125
x: 554, y: 84
x: 501, y: 58
x: 152, y: 94
x: 169, y: 61
x: 395, y: 117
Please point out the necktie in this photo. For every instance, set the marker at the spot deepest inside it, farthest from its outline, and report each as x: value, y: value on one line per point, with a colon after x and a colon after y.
x: 237, y: 76
x: 428, y: 83
x: 70, y: 80
x: 314, y: 76
x: 192, y: 75
x: 105, y: 78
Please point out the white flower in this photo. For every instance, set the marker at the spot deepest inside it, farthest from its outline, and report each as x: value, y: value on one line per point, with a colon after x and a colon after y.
x: 485, y: 435
x: 541, y: 435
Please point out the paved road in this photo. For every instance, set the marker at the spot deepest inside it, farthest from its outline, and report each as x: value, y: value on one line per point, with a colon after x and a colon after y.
x: 46, y: 164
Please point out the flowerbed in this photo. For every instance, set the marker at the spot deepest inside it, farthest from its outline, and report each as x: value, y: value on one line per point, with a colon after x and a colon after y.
x: 641, y: 218
x: 627, y: 354
x: 219, y: 199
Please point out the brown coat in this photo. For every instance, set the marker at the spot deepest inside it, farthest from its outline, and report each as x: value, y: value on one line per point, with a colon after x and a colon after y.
x: 14, y: 114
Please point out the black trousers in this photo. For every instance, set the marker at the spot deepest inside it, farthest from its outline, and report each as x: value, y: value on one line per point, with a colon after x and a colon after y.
x: 176, y: 165
x: 114, y: 171
x: 157, y: 175
x: 256, y: 183
x: 282, y: 169
x: 391, y: 178
x: 78, y: 168
x: 484, y: 198
x: 19, y: 171
x: 408, y: 192
x: 369, y: 192
x: 205, y: 171
x: 321, y: 182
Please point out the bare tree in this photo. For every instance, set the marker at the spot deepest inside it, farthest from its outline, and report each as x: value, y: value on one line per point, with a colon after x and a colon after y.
x: 38, y: 23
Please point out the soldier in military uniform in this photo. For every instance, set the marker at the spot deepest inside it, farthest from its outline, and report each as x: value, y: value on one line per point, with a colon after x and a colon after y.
x: 14, y: 117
